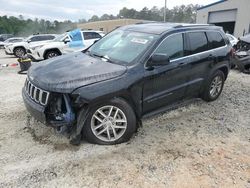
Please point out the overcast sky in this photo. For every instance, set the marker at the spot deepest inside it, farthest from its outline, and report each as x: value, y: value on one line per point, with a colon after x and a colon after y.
x: 76, y: 9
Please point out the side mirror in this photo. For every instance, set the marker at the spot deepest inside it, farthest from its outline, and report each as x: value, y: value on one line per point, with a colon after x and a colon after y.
x: 66, y: 41
x: 29, y: 41
x: 158, y: 60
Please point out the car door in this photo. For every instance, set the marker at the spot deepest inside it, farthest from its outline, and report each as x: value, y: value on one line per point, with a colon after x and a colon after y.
x: 164, y: 85
x: 201, y: 58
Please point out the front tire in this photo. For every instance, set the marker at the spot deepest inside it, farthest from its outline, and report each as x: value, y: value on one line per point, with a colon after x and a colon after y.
x: 214, y: 86
x: 19, y: 52
x: 51, y: 54
x: 110, y: 123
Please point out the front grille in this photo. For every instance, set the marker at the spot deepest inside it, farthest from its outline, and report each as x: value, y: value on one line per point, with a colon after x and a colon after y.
x: 38, y: 95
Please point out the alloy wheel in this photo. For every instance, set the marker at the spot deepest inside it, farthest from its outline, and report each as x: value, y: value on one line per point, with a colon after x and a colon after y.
x: 108, y: 123
x: 20, y: 52
x: 52, y: 54
x: 216, y: 86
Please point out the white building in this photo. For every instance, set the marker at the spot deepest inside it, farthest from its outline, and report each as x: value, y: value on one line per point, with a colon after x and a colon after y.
x: 232, y: 15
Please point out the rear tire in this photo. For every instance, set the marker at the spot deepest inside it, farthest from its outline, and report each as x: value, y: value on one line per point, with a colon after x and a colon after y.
x: 19, y: 52
x: 214, y: 86
x: 109, y: 123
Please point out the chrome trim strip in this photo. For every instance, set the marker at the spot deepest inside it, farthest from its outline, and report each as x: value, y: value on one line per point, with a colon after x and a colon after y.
x: 29, y: 87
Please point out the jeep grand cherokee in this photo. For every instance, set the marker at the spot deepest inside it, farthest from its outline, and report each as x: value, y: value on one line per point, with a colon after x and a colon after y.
x: 139, y: 70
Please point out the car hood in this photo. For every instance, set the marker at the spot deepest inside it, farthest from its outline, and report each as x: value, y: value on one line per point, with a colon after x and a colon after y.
x: 20, y: 44
x: 66, y: 73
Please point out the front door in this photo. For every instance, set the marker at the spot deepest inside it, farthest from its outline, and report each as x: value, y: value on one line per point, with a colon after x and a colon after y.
x: 167, y: 84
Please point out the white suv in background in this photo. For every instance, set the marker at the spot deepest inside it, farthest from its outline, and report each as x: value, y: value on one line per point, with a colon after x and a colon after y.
x: 19, y: 49
x: 68, y: 42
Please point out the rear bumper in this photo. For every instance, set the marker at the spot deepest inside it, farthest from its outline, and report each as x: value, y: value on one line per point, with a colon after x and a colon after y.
x: 36, y: 110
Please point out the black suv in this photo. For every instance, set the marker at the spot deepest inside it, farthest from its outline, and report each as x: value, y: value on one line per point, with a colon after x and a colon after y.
x: 134, y: 71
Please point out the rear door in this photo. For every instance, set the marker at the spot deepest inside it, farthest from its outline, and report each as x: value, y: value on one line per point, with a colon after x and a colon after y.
x: 200, y: 59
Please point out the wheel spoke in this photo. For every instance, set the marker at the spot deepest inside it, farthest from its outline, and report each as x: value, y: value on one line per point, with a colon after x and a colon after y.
x: 116, y: 112
x: 119, y: 127
x: 99, y: 126
x: 102, y: 131
x: 99, y: 119
x: 101, y: 112
x: 110, y: 111
x: 108, y: 133
x: 120, y: 121
x: 114, y: 132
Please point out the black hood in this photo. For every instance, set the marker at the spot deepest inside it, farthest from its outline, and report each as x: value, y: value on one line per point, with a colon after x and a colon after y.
x: 69, y: 72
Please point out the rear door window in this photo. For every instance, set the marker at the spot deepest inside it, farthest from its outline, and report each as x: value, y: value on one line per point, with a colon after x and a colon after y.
x: 91, y: 35
x: 198, y: 42
x: 173, y: 46
x: 215, y: 40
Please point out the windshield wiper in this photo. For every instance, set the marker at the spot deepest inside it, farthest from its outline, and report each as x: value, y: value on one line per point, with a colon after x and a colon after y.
x: 102, y: 57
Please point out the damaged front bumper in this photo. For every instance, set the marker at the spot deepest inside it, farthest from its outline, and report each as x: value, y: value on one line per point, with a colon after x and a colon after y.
x: 55, y: 110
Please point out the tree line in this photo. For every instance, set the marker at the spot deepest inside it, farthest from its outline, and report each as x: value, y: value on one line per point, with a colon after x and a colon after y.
x: 24, y: 27
x: 183, y: 13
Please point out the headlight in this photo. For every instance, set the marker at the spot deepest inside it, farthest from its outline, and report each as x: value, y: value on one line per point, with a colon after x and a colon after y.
x: 37, y: 47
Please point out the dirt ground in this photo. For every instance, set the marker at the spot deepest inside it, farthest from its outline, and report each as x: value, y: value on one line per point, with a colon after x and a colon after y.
x: 199, y: 145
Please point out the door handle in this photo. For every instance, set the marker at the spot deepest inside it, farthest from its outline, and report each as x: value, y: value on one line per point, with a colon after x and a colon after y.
x: 211, y: 57
x: 182, y: 64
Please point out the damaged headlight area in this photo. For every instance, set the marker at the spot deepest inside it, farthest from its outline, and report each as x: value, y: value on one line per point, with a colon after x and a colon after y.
x: 59, y: 112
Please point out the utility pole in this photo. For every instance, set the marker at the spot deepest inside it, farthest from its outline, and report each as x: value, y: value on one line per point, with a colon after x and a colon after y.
x: 165, y: 10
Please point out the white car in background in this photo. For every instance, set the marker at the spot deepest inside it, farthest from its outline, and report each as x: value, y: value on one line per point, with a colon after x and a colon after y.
x: 19, y: 48
x: 233, y: 40
x: 66, y: 43
x: 11, y: 41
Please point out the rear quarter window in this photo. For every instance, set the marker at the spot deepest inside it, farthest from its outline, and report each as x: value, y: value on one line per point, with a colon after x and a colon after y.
x: 197, y: 42
x: 215, y: 40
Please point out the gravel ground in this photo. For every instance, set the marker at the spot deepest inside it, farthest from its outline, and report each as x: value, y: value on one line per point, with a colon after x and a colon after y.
x: 199, y: 145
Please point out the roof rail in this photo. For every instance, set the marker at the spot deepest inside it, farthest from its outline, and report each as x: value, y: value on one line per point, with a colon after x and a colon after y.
x: 192, y: 25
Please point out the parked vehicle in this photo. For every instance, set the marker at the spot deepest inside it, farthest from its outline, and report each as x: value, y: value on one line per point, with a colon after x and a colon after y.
x: 233, y: 40
x: 63, y: 44
x: 133, y: 72
x: 3, y: 38
x: 10, y: 41
x: 19, y: 49
x: 241, y: 58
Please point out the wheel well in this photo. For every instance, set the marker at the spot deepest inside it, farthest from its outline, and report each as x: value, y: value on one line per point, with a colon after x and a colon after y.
x: 53, y: 49
x: 18, y: 47
x: 225, y: 71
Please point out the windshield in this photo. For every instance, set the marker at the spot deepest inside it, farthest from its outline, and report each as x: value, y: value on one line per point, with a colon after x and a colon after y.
x: 28, y: 38
x: 122, y: 46
x: 60, y: 37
